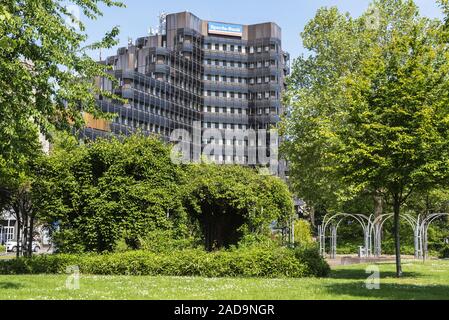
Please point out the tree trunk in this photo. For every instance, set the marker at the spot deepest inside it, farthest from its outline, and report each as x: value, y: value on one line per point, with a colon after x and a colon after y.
x: 312, y: 216
x: 378, y: 203
x: 19, y: 226
x: 397, y: 240
x: 25, y: 233
x: 31, y: 236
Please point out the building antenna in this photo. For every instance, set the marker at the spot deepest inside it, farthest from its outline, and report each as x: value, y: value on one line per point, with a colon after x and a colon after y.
x: 162, y: 23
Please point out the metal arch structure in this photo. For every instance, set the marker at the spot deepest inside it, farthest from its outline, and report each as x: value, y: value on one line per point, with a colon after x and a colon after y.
x: 334, y: 221
x: 377, y: 227
x: 372, y: 230
x: 423, y: 232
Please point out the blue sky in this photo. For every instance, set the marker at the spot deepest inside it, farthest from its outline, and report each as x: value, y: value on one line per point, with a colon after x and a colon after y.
x: 291, y: 15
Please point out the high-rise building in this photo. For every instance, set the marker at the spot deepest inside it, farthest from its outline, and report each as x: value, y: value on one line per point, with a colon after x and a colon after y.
x: 196, y: 73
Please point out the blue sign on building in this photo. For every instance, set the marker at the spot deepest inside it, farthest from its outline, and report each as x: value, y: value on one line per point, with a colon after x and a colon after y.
x: 234, y: 30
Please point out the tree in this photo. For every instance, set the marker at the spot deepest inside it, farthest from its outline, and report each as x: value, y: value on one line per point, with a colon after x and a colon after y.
x: 96, y: 194
x: 230, y: 202
x: 46, y: 76
x: 16, y: 183
x: 375, y: 90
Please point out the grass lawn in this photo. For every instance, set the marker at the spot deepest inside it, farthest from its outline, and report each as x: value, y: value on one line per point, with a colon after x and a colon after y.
x: 421, y: 281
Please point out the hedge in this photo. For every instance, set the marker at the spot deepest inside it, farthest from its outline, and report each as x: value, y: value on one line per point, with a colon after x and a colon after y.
x: 253, y: 262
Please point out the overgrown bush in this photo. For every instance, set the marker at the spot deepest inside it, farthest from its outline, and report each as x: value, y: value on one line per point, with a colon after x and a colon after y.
x: 2, y: 249
x: 160, y: 241
x: 310, y: 257
x: 247, y: 262
x: 120, y: 194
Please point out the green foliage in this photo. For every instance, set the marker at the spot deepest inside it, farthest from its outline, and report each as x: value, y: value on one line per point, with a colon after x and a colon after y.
x: 223, y: 196
x: 2, y: 249
x: 164, y: 241
x: 303, y: 232
x: 369, y: 104
x: 45, y: 77
x: 369, y: 107
x: 98, y: 192
x: 309, y: 256
x: 127, y: 191
x: 444, y: 252
x: 247, y: 262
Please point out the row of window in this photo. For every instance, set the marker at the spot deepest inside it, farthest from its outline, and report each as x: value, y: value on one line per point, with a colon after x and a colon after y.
x: 145, y: 126
x: 235, y: 142
x: 226, y: 94
x: 225, y: 142
x: 160, y: 112
x: 227, y: 110
x: 239, y: 48
x: 213, y: 125
x: 232, y: 79
x: 239, y: 64
x: 245, y: 96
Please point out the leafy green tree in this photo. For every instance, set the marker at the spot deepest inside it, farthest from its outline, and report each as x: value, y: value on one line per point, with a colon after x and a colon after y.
x: 46, y: 75
x: 99, y: 193
x: 374, y: 94
x: 232, y: 201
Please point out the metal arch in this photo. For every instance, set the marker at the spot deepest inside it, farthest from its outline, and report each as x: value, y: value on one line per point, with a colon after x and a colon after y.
x: 379, y: 223
x: 423, y: 232
x: 372, y: 229
x: 363, y: 220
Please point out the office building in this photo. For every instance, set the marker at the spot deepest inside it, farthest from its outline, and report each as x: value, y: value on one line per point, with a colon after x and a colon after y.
x: 193, y: 72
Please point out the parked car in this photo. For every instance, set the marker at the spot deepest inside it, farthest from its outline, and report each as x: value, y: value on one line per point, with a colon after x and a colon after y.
x: 11, y: 246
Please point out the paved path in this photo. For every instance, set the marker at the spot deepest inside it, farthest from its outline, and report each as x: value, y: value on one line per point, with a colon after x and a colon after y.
x: 349, y: 260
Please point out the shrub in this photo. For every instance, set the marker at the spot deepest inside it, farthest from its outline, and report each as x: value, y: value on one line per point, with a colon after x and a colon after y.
x: 303, y: 232
x: 2, y: 249
x: 247, y: 262
x: 159, y: 241
x: 310, y: 257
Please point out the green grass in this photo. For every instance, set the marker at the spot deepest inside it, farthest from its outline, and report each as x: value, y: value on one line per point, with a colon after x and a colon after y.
x: 421, y: 281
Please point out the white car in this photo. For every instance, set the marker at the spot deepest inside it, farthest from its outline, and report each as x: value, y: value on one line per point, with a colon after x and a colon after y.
x: 11, y: 246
